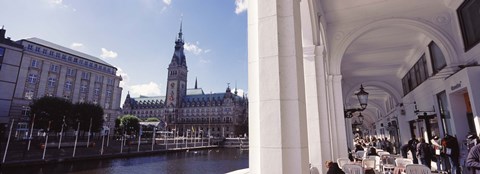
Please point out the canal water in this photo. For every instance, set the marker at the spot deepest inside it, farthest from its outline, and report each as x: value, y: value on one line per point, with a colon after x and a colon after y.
x: 221, y: 160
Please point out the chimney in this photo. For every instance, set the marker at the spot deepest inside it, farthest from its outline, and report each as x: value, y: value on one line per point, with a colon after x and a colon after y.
x: 2, y: 33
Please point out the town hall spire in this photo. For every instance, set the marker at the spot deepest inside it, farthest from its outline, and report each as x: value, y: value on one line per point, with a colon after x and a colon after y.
x: 177, y: 74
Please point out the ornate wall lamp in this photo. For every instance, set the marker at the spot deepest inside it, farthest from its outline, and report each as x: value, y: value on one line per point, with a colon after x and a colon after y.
x: 362, y: 99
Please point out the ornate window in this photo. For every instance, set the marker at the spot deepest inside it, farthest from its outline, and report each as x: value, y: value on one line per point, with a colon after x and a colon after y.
x: 68, y: 85
x: 54, y: 68
x: 35, y: 63
x: 83, y: 88
x: 51, y: 82
x: 32, y: 78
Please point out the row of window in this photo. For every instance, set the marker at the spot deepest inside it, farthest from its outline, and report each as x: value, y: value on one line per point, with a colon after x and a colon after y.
x: 52, y: 82
x: 69, y: 58
x: 184, y: 111
x: 419, y: 72
x: 206, y: 110
x: 71, y: 72
x: 30, y: 94
x: 205, y: 120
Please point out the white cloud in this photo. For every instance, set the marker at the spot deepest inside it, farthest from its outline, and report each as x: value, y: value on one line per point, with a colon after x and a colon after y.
x: 125, y: 78
x: 167, y: 2
x: 108, y: 54
x: 151, y: 88
x: 195, y: 48
x: 241, y: 6
x: 76, y: 45
x: 59, y: 4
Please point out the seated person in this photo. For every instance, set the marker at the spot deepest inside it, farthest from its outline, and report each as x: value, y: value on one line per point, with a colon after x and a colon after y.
x: 358, y: 147
x: 372, y: 152
x: 333, y: 168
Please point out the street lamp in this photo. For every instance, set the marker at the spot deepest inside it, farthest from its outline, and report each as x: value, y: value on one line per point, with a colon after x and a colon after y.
x: 362, y: 97
x: 359, y: 120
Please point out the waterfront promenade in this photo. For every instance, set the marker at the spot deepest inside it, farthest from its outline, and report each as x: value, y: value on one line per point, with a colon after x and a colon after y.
x: 18, y: 155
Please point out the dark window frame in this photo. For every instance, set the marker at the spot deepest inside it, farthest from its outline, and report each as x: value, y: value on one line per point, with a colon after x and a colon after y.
x: 413, y: 78
x: 468, y: 25
x: 435, y: 59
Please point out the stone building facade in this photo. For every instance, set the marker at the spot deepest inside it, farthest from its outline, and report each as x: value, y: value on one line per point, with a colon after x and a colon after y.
x: 10, y: 58
x: 38, y: 68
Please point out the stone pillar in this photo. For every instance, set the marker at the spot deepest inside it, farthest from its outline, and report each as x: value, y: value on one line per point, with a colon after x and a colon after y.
x: 103, y: 91
x: 42, y: 79
x: 276, y: 85
x: 61, y: 81
x: 319, y: 141
x: 91, y: 87
x: 337, y: 119
x: 78, y: 86
x: 349, y: 132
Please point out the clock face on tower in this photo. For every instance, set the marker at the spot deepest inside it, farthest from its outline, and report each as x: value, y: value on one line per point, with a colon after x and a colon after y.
x: 171, y: 93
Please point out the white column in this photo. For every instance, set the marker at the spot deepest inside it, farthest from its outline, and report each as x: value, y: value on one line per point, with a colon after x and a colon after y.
x: 276, y: 86
x: 336, y: 116
x: 255, y: 162
x: 319, y: 141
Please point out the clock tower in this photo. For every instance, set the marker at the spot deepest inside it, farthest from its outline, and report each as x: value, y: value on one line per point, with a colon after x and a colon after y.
x: 177, y: 76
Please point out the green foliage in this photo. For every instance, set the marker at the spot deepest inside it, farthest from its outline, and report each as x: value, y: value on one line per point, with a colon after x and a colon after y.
x: 83, y: 112
x: 152, y: 119
x: 130, y: 124
x: 50, y: 109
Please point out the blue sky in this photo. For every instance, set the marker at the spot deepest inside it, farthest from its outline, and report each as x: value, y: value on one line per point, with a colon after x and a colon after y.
x: 137, y: 36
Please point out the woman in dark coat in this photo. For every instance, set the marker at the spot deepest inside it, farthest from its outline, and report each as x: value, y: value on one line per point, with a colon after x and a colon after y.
x: 333, y: 168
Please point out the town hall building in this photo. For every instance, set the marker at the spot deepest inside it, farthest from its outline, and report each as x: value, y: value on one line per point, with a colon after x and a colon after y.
x: 190, y: 110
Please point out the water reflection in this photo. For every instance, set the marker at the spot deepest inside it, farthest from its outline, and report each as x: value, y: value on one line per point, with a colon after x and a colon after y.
x: 202, y: 161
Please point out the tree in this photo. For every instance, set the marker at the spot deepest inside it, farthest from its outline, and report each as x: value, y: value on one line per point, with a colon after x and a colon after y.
x: 128, y: 123
x: 83, y: 112
x: 152, y: 119
x: 50, y: 109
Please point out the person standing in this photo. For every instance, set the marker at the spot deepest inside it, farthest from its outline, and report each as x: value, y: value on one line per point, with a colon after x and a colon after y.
x: 424, y: 153
x: 452, y: 151
x: 404, y: 150
x: 473, y: 159
x: 472, y: 141
x: 412, y: 144
x: 437, y: 148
